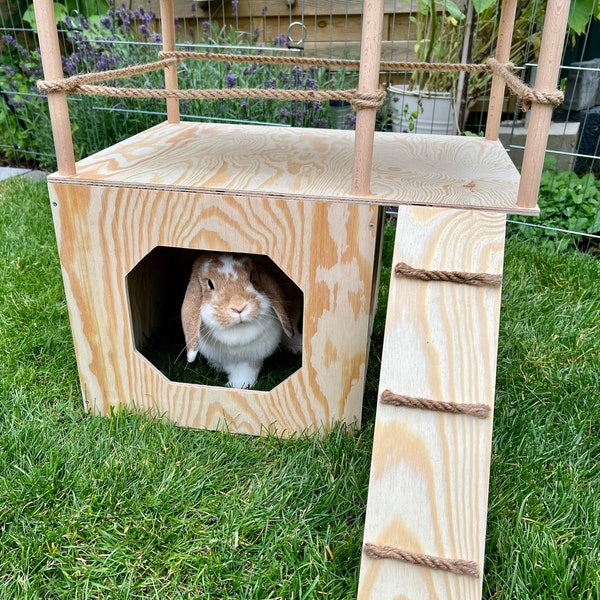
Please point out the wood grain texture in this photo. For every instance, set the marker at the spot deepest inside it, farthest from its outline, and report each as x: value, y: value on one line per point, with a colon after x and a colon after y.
x: 327, y: 249
x: 168, y: 36
x: 498, y: 87
x: 311, y: 164
x: 429, y: 474
x: 546, y: 79
x: 368, y: 83
x: 57, y: 103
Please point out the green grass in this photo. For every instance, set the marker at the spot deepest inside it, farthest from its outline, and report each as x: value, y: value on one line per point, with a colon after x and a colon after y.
x: 131, y: 507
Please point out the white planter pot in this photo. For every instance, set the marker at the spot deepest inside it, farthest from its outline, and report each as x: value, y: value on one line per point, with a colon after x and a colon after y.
x: 421, y: 112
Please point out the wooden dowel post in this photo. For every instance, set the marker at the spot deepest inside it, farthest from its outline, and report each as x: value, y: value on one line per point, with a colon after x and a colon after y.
x: 370, y: 57
x: 553, y: 37
x: 505, y: 34
x: 167, y: 19
x: 57, y: 102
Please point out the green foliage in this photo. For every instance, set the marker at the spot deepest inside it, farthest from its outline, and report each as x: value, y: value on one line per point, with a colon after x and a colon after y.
x: 439, y: 39
x: 134, y: 507
x: 94, y: 42
x: 580, y: 14
x: 62, y: 10
x: 567, y: 201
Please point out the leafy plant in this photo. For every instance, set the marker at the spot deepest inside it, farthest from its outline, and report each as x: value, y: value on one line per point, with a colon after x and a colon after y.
x: 93, y: 42
x: 582, y: 11
x: 568, y: 202
x: 439, y: 39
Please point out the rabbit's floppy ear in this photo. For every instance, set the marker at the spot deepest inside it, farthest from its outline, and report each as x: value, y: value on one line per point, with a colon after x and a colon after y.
x: 190, y: 313
x: 273, y: 291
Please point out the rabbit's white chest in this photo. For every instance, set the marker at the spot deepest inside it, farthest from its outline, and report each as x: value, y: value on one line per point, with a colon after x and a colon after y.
x: 244, y: 342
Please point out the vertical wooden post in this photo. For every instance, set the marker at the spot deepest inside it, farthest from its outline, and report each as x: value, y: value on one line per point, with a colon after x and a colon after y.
x: 370, y: 57
x: 553, y: 37
x: 505, y: 33
x: 57, y: 102
x: 167, y: 21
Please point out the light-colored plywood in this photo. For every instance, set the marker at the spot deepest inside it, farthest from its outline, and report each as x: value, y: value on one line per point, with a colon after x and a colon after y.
x: 429, y: 474
x: 312, y: 164
x: 326, y: 248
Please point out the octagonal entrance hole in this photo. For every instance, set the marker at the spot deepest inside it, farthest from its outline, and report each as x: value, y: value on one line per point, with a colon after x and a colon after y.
x: 156, y: 288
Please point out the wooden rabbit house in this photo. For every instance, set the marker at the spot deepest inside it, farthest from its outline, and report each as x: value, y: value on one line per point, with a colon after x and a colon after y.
x: 310, y: 200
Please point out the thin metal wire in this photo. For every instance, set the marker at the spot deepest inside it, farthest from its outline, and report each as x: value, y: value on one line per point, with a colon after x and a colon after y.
x: 557, y: 229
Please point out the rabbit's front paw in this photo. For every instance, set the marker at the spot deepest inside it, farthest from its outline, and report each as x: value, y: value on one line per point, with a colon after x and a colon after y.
x: 242, y: 375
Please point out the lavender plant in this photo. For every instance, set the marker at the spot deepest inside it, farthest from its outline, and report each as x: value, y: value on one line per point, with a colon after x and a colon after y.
x: 123, y: 37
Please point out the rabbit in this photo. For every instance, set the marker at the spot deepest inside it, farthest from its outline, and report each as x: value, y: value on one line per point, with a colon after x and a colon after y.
x: 236, y: 311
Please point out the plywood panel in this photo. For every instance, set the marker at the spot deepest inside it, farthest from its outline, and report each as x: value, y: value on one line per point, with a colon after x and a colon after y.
x: 429, y: 474
x: 327, y: 249
x: 309, y: 164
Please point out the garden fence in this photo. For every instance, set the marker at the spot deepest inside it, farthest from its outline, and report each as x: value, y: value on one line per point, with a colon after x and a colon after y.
x: 99, y: 34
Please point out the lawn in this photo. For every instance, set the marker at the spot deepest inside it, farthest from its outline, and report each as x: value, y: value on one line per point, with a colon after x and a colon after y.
x: 132, y: 507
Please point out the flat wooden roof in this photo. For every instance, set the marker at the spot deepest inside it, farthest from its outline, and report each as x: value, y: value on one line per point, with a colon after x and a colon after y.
x: 308, y: 164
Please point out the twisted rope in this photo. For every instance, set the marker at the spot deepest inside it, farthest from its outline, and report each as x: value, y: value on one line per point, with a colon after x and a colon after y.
x: 524, y: 92
x: 72, y: 85
x: 321, y: 62
x: 357, y: 99
x: 80, y: 84
x: 457, y: 566
x: 481, y: 411
x: 477, y: 279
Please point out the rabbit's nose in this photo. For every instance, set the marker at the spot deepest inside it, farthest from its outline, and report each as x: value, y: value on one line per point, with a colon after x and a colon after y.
x: 238, y: 305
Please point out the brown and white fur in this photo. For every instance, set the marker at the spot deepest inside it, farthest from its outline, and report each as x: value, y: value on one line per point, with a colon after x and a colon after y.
x: 236, y: 312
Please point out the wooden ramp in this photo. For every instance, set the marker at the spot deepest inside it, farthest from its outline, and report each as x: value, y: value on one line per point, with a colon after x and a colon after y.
x: 427, y: 504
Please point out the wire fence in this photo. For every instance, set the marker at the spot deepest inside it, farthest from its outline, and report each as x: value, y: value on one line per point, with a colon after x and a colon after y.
x: 102, y: 34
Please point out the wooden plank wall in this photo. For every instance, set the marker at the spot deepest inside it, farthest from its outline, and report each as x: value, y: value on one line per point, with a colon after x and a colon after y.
x: 333, y: 27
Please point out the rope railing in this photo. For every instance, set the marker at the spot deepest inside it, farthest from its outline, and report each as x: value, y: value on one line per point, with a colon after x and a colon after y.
x: 84, y: 84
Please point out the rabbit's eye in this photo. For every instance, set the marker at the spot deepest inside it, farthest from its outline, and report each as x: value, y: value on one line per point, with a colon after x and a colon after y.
x: 210, y: 284
x: 252, y: 277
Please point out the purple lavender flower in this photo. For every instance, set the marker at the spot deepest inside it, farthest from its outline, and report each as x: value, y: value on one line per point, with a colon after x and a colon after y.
x: 234, y: 7
x: 311, y: 84
x: 280, y: 41
x: 230, y: 80
x: 297, y: 73
x: 107, y: 23
x: 350, y: 121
